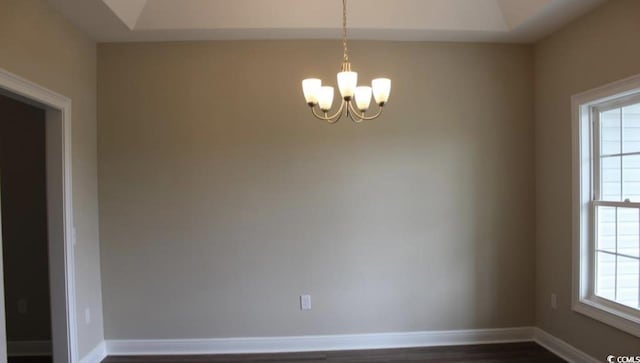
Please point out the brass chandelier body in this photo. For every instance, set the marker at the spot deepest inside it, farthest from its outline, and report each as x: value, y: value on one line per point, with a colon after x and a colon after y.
x: 355, y: 100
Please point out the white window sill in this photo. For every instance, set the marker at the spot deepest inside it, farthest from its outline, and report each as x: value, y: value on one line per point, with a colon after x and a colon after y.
x: 606, y: 312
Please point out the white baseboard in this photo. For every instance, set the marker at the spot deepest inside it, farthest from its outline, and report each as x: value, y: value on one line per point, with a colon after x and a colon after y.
x: 337, y: 342
x: 96, y: 355
x: 33, y: 348
x: 317, y: 342
x: 561, y: 348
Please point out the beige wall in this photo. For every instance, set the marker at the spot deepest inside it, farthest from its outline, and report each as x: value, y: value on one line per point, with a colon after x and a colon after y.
x: 39, y: 44
x: 597, y: 49
x: 222, y: 199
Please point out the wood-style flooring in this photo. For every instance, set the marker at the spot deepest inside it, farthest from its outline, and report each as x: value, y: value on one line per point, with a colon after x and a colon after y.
x: 487, y: 353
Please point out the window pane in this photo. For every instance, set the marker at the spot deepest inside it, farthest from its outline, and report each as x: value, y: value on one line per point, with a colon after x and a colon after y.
x: 631, y: 177
x: 628, y: 280
x: 607, y: 229
x: 618, y: 256
x: 628, y: 231
x: 610, y: 132
x: 610, y: 178
x: 631, y: 128
x: 606, y: 276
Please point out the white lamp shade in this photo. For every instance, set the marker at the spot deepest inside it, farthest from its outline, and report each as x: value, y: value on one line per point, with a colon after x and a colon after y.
x: 381, y: 90
x: 311, y: 89
x: 325, y: 98
x: 363, y: 97
x: 347, y: 82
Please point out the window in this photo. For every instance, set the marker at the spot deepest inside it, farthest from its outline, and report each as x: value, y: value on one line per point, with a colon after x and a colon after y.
x: 616, y: 201
x: 607, y: 204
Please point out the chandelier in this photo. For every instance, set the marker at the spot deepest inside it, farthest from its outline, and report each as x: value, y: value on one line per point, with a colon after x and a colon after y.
x: 355, y: 99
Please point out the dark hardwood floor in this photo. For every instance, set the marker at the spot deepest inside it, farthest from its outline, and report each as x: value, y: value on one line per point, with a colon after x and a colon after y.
x: 487, y: 353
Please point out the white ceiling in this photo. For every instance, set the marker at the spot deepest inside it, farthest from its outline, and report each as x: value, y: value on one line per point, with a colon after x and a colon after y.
x: 517, y: 21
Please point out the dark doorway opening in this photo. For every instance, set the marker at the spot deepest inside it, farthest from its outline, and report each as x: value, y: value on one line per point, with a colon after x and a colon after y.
x: 23, y: 185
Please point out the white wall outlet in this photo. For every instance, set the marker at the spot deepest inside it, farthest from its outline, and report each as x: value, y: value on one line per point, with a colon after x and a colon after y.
x: 87, y: 316
x: 23, y: 307
x: 305, y: 302
x: 554, y: 301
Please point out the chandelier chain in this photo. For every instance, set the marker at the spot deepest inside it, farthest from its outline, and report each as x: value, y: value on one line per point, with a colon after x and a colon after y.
x: 344, y: 30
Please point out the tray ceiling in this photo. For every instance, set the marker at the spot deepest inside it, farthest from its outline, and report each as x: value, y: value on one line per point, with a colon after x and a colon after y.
x: 518, y: 21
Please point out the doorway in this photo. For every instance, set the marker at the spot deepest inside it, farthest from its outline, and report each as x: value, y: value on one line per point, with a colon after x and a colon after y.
x: 23, y: 203
x: 60, y: 231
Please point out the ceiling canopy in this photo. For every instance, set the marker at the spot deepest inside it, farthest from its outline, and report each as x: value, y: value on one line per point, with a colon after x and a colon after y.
x: 518, y: 21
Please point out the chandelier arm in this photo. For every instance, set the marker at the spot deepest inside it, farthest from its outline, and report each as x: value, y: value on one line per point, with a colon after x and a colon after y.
x: 356, y: 116
x: 330, y: 119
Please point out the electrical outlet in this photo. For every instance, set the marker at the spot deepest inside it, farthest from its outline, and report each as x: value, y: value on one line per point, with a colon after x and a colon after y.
x: 554, y: 301
x: 305, y: 302
x: 23, y: 307
x: 87, y: 316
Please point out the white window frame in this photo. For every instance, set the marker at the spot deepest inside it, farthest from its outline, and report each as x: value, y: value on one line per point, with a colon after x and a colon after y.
x: 584, y: 158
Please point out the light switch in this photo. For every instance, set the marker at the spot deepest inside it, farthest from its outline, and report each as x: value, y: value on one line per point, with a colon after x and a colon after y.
x: 305, y: 302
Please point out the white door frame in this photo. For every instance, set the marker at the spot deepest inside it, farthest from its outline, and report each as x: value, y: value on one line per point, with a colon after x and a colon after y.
x: 61, y: 230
